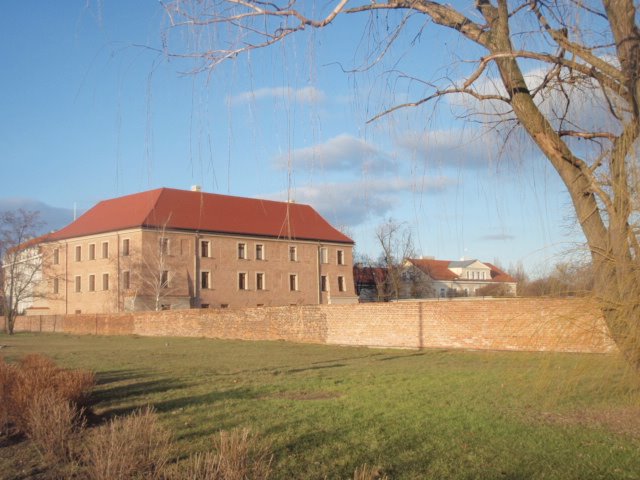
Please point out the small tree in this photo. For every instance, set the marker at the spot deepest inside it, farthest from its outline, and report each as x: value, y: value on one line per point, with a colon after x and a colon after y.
x: 21, y: 262
x: 396, y: 244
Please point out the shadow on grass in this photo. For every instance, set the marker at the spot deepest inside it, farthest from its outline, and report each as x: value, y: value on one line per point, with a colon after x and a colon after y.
x: 113, y: 376
x: 319, y: 367
x: 397, y: 357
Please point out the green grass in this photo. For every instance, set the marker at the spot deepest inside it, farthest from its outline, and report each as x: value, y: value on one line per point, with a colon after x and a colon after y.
x: 325, y: 410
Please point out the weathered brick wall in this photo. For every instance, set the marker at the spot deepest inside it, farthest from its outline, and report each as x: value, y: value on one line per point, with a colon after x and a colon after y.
x: 566, y: 325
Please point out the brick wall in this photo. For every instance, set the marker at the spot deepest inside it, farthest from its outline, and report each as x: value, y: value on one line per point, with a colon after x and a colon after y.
x: 565, y: 325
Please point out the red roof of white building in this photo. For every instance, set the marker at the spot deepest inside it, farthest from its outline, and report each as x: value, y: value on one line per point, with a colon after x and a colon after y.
x: 205, y: 212
x: 439, y: 270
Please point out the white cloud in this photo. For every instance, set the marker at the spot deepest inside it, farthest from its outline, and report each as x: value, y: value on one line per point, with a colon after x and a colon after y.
x: 451, y: 148
x: 351, y: 203
x: 341, y: 153
x: 297, y: 95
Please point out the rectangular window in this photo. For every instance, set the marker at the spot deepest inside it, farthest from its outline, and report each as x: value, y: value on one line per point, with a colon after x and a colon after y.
x: 204, y: 305
x: 55, y: 285
x: 341, y: 285
x: 204, y: 249
x: 293, y: 282
x: 293, y: 253
x: 242, y: 251
x: 56, y: 256
x: 259, y: 251
x: 164, y: 246
x: 323, y: 283
x: 242, y: 281
x: 165, y: 306
x: 164, y: 279
x: 105, y: 281
x: 259, y: 281
x: 204, y: 280
x: 92, y: 251
x: 125, y: 247
x: 340, y: 257
x: 324, y: 255
x: 78, y: 253
x: 92, y: 283
x: 126, y: 280
x: 105, y: 249
x: 78, y: 283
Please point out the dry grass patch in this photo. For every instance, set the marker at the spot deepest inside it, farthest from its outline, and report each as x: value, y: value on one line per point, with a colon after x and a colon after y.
x: 621, y: 421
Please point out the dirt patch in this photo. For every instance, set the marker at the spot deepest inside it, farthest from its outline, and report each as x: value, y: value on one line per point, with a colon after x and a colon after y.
x: 622, y: 420
x: 304, y: 395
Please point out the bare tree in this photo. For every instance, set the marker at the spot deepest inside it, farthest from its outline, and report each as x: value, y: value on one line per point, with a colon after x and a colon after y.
x: 580, y: 50
x: 21, y: 262
x: 396, y: 243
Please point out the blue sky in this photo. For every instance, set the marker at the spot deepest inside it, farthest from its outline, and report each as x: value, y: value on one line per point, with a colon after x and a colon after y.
x: 90, y: 110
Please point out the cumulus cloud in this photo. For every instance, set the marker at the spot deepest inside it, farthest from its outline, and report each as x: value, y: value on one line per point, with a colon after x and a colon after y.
x: 451, y: 148
x: 338, y: 154
x: 308, y: 95
x: 498, y: 237
x: 351, y: 203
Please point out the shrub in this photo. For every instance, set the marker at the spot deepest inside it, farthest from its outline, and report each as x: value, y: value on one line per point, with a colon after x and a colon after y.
x: 6, y: 380
x: 36, y: 376
x: 127, y: 447
x: 236, y: 455
x: 53, y: 424
x: 365, y: 472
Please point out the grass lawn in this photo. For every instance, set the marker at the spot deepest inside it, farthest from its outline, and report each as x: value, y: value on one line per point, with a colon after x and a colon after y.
x: 325, y: 410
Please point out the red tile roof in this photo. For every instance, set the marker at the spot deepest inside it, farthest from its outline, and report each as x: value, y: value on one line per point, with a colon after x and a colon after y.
x: 439, y: 270
x: 205, y: 212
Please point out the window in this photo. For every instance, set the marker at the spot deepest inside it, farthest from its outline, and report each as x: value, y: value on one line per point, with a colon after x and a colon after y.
x: 323, y: 283
x: 204, y: 249
x: 105, y: 281
x: 483, y: 275
x: 164, y: 246
x: 204, y: 305
x: 442, y: 292
x: 78, y: 283
x: 92, y: 283
x: 78, y: 253
x: 126, y: 280
x: 105, y: 249
x: 293, y: 282
x: 259, y: 251
x: 341, y: 285
x: 92, y: 251
x: 224, y: 305
x: 125, y: 247
x: 293, y: 253
x: 55, y: 285
x: 204, y: 280
x: 324, y: 255
x: 164, y: 279
x: 340, y: 257
x: 165, y: 306
x: 242, y: 251
x: 242, y: 281
x: 259, y: 281
x: 56, y: 256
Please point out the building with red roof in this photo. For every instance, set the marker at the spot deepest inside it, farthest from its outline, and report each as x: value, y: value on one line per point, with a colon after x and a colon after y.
x: 168, y: 248
x: 463, y: 278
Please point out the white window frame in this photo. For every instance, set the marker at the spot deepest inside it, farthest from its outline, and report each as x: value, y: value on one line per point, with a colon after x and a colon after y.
x: 92, y: 251
x: 164, y: 246
x: 78, y: 256
x: 126, y: 280
x: 262, y: 255
x: 126, y: 246
x: 105, y: 282
x: 78, y: 284
x: 205, y: 278
x: 243, y: 281
x: 342, y: 286
x: 204, y: 243
x: 293, y: 282
x: 324, y: 255
x: 324, y: 283
x: 241, y: 250
x: 340, y: 260
x: 262, y: 283
x: 91, y: 287
x: 105, y: 249
x: 293, y: 253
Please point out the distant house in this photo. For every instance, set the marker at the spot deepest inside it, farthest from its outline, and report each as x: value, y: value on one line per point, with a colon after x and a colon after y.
x: 168, y: 249
x: 447, y: 278
x: 370, y: 283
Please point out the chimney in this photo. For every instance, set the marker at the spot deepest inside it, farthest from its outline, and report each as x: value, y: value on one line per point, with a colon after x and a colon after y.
x: 196, y: 188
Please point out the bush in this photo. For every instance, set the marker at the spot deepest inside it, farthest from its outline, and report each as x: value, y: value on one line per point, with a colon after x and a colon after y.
x: 128, y: 447
x: 36, y: 376
x: 53, y: 424
x: 236, y: 455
